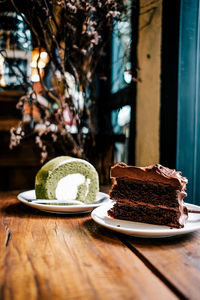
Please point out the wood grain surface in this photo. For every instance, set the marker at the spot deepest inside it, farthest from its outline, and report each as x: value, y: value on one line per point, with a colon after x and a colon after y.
x: 176, y: 259
x: 46, y: 256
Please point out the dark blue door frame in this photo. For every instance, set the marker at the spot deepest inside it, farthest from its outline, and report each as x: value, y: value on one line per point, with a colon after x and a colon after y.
x: 188, y: 116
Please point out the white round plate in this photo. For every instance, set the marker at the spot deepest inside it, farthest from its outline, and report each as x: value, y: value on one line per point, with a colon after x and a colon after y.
x: 100, y: 216
x: 28, y: 196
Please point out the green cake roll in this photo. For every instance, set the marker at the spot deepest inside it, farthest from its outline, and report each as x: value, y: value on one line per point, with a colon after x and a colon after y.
x: 67, y: 178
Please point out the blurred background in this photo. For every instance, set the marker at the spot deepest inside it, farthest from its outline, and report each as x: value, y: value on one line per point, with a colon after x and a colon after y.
x: 143, y: 106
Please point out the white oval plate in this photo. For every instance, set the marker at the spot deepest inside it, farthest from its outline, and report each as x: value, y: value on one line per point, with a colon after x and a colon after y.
x: 100, y: 216
x: 27, y: 196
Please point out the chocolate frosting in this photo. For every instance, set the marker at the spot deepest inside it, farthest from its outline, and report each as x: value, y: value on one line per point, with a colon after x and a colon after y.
x: 155, y: 173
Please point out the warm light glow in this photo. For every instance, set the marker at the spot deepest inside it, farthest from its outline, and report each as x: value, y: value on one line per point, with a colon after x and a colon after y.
x: 35, y: 75
x: 2, y: 80
x: 43, y: 55
x: 39, y: 58
x: 41, y: 64
x: 1, y: 59
x: 35, y: 78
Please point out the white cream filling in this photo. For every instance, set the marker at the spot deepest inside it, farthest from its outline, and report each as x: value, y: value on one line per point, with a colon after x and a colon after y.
x: 67, y: 186
x: 87, y: 185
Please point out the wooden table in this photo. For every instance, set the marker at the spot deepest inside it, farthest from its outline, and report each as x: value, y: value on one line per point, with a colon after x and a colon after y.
x: 47, y: 256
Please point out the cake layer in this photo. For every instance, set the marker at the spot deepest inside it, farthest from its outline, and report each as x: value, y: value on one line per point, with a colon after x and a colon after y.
x: 148, y: 192
x: 130, y: 203
x: 152, y: 215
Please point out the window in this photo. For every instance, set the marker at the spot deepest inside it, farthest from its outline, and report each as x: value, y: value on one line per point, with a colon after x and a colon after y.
x: 15, y: 50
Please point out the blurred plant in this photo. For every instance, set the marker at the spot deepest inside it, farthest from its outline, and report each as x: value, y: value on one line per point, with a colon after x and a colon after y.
x: 74, y: 34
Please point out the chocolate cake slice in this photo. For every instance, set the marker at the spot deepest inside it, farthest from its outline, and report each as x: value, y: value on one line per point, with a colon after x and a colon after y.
x: 152, y: 194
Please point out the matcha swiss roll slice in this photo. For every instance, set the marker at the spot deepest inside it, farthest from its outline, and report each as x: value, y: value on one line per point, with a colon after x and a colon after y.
x: 67, y: 178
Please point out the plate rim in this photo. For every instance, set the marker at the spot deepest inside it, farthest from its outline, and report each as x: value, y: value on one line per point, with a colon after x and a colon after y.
x: 165, y: 231
x: 69, y: 209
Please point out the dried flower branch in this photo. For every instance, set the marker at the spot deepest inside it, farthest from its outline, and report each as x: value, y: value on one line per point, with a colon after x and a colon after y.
x: 73, y: 34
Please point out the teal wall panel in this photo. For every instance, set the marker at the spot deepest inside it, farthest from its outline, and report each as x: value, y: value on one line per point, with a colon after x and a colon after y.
x: 188, y: 118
